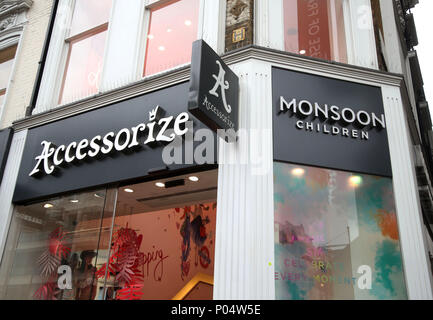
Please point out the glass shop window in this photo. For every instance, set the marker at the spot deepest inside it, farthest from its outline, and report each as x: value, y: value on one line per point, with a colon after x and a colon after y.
x: 334, y: 30
x: 163, y: 242
x: 86, y: 44
x: 53, y: 248
x: 7, y: 57
x: 173, y: 26
x: 336, y: 236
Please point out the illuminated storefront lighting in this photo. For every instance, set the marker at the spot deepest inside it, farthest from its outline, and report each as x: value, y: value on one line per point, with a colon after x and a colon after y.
x: 298, y: 172
x: 355, y: 181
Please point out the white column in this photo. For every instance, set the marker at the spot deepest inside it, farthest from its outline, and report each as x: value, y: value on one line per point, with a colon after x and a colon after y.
x: 269, y: 24
x: 244, y: 251
x: 361, y: 43
x: 414, y: 251
x: 213, y: 24
x: 392, y: 47
x: 124, y: 52
x: 8, y: 185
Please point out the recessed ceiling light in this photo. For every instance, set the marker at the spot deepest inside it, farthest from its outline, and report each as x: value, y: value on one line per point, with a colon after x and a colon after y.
x: 160, y: 185
x: 161, y: 48
x: 298, y: 172
x: 74, y: 201
x: 128, y: 190
x: 193, y: 178
x: 188, y: 22
x: 150, y: 36
x: 302, y: 52
x: 48, y: 206
x: 355, y: 181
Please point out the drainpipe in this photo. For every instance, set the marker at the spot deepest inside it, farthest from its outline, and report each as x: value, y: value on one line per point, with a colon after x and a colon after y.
x: 36, y: 87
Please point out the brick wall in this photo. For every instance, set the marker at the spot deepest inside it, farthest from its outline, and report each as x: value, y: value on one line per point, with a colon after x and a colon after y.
x: 27, y: 59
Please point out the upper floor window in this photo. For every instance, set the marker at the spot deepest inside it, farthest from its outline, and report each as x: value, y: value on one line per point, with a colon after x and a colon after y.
x: 7, y: 57
x: 335, y: 30
x: 86, y: 42
x: 173, y: 26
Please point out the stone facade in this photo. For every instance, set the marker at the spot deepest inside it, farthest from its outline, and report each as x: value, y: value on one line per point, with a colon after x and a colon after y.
x: 239, y: 20
x: 33, y: 18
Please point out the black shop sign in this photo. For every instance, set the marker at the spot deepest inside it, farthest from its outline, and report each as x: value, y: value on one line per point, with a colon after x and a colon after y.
x: 117, y: 143
x: 329, y: 123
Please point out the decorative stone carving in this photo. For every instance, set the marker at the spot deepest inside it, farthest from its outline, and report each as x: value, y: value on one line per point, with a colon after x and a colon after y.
x: 238, y: 8
x: 7, y: 22
x: 9, y: 12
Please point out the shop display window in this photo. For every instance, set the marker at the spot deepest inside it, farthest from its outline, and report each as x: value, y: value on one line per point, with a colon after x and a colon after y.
x: 153, y: 240
x: 173, y: 27
x: 86, y: 42
x: 336, y: 236
x: 53, y: 248
x: 7, y: 57
x: 163, y: 241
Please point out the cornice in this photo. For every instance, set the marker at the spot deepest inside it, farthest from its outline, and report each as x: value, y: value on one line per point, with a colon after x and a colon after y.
x: 8, y: 8
x: 307, y: 64
x: 349, y: 73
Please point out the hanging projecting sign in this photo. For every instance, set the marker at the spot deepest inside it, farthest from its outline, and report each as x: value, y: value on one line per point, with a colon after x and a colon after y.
x: 116, y: 143
x: 214, y: 90
x: 329, y: 123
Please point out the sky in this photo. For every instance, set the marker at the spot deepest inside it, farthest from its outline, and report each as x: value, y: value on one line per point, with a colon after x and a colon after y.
x: 424, y: 26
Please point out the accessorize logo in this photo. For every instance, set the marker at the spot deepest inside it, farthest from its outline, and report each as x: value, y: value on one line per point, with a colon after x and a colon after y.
x: 155, y: 131
x: 223, y: 84
x: 330, y: 116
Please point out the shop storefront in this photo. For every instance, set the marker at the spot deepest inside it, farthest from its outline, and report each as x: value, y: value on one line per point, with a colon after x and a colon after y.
x: 310, y: 193
x: 110, y: 204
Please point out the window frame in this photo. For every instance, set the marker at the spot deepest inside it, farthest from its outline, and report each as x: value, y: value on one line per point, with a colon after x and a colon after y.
x: 211, y: 28
x: 7, y: 44
x: 68, y: 41
x: 270, y: 25
x: 148, y: 6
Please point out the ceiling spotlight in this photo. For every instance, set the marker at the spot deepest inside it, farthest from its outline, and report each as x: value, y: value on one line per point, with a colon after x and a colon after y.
x: 298, y: 172
x: 355, y: 181
x: 150, y: 36
x: 302, y: 52
x: 48, y: 206
x: 128, y: 190
x: 161, y: 48
x: 188, y: 22
x: 74, y: 201
x: 193, y: 178
x: 160, y: 185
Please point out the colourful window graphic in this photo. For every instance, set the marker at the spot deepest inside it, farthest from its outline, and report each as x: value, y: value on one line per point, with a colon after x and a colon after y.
x: 336, y: 236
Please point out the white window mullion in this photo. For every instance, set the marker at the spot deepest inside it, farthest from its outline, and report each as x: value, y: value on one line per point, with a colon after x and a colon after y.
x: 212, y: 24
x: 360, y: 39
x: 123, y: 51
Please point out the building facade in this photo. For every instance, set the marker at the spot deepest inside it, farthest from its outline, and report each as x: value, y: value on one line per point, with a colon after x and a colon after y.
x: 117, y: 185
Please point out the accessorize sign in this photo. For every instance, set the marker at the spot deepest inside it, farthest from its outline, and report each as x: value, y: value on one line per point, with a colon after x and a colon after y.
x: 112, y: 144
x: 214, y: 90
x: 329, y: 123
